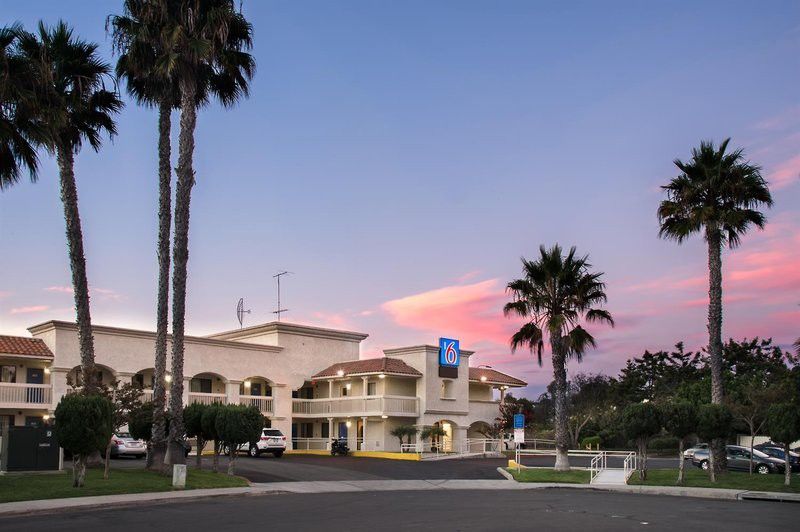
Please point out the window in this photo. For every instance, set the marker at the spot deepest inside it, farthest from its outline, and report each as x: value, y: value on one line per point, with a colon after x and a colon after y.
x: 306, y: 430
x: 200, y: 386
x: 326, y: 433
x: 8, y: 373
x: 447, y: 389
x: 138, y: 380
x: 344, y: 391
x: 372, y: 388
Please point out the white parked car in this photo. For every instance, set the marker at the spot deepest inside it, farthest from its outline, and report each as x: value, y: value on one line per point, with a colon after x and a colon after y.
x: 123, y: 444
x: 271, y: 441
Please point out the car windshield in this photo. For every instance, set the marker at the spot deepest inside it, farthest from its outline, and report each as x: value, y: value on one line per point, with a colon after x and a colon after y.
x: 760, y: 454
x: 272, y: 432
x: 124, y: 435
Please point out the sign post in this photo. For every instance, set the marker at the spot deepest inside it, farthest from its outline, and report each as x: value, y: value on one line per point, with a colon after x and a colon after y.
x: 519, y: 429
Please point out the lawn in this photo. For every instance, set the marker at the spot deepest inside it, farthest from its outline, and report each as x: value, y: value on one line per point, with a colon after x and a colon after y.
x: 733, y: 480
x: 59, y: 486
x: 547, y: 474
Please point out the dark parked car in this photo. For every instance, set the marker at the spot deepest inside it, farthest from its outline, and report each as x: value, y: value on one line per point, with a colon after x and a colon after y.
x: 777, y: 452
x: 739, y: 460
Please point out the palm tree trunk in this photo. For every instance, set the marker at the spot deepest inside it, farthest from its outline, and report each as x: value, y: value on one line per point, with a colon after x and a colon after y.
x: 715, y: 336
x: 162, y: 305
x: 180, y: 252
x: 681, y: 462
x: 560, y: 400
x: 77, y: 260
x: 787, y: 465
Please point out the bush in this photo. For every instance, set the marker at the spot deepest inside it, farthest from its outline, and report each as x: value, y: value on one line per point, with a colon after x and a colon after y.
x: 141, y: 424
x: 641, y: 421
x: 664, y: 443
x: 193, y: 422
x: 236, y: 425
x: 591, y: 441
x: 714, y: 422
x: 83, y: 424
x: 783, y: 425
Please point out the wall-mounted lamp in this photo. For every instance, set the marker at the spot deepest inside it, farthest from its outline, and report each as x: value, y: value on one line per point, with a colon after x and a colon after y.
x: 347, y: 385
x: 47, y: 371
x: 167, y: 378
x: 382, y: 376
x: 483, y: 378
x: 46, y: 417
x: 384, y: 417
x: 348, y: 424
x: 247, y: 384
x: 340, y: 373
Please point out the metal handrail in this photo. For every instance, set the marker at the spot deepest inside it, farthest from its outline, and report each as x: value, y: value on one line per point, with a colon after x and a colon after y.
x: 629, y: 465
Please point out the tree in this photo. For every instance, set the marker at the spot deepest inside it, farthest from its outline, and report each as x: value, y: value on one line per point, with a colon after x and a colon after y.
x: 142, y: 36
x: 680, y: 420
x: 236, y: 425
x: 783, y: 425
x: 209, y: 43
x: 76, y: 108
x: 749, y: 405
x: 208, y: 424
x: 21, y: 131
x: 193, y: 421
x: 714, y: 422
x: 555, y: 294
x: 125, y: 399
x: 588, y: 397
x: 641, y: 421
x: 83, y: 424
x: 430, y: 433
x: 141, y: 423
x: 718, y: 193
x: 403, y: 431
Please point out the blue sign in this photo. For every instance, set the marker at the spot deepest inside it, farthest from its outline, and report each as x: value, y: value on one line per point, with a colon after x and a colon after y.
x: 449, y: 353
x: 519, y: 421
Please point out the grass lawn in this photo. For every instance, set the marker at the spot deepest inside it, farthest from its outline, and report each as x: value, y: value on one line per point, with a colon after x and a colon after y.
x: 734, y: 480
x: 547, y: 474
x: 59, y: 486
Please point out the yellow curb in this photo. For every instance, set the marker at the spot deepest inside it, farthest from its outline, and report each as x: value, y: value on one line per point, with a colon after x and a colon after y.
x: 415, y: 457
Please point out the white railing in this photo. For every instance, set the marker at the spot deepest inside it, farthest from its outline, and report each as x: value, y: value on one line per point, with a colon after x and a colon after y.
x: 481, y: 445
x: 629, y: 465
x: 307, y: 444
x: 411, y: 447
x: 391, y: 405
x: 597, y: 464
x: 601, y: 456
x: 207, y: 398
x: 147, y: 396
x: 23, y: 395
x: 264, y: 404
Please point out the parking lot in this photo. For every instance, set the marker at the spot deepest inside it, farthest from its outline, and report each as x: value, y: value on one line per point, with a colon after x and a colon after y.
x: 298, y: 467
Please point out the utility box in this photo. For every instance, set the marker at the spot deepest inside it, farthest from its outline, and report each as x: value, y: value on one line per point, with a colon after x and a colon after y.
x: 30, y: 449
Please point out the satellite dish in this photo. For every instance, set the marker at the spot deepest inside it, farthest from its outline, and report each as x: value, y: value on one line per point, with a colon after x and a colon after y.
x: 240, y: 312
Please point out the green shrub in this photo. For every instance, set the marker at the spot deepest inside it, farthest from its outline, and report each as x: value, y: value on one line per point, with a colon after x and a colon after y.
x: 193, y: 423
x: 236, y: 425
x: 664, y: 443
x: 591, y: 441
x: 83, y: 424
x: 713, y: 422
x: 141, y: 423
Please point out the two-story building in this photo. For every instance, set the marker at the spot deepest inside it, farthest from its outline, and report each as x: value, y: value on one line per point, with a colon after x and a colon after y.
x: 309, y: 382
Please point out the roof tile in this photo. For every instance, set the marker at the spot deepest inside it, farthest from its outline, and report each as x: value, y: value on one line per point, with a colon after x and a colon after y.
x: 494, y: 376
x: 18, y: 345
x: 388, y: 365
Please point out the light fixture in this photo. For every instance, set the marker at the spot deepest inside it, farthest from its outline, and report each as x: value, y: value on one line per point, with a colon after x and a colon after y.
x: 340, y: 373
x: 47, y: 371
x: 168, y: 378
x: 348, y: 385
x: 483, y: 378
x: 382, y: 376
x: 348, y: 424
x: 46, y: 417
x: 247, y: 384
x: 384, y: 416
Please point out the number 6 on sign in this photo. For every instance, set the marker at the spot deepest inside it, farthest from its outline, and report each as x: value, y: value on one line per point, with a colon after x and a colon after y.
x: 449, y: 352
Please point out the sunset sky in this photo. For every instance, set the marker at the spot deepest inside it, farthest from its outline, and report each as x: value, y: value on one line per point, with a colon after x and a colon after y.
x: 400, y: 157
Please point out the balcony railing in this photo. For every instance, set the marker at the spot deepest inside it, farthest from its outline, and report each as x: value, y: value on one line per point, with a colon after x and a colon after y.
x: 263, y: 403
x: 207, y: 398
x: 370, y: 405
x: 22, y: 395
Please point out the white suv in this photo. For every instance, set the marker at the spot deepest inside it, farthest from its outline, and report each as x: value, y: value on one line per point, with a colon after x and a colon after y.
x: 271, y: 441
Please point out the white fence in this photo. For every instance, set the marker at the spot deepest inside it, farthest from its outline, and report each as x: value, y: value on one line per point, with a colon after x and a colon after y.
x: 207, y: 398
x: 355, y: 406
x: 264, y: 404
x: 23, y: 395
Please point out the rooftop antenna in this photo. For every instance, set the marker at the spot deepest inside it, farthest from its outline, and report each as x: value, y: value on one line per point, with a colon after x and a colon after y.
x: 240, y: 311
x: 280, y: 310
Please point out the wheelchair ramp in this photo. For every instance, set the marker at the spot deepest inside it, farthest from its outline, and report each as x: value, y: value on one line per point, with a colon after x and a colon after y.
x: 613, y: 477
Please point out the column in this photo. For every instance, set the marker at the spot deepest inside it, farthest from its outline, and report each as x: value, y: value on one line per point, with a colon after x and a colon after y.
x: 186, y: 387
x: 330, y: 389
x: 364, y: 446
x: 232, y: 391
x: 58, y: 381
x: 330, y: 434
x: 502, y: 395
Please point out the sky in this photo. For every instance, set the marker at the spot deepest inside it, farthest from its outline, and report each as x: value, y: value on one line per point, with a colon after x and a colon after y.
x: 400, y: 157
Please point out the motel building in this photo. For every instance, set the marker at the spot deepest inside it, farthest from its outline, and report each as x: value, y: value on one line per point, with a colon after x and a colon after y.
x: 309, y: 382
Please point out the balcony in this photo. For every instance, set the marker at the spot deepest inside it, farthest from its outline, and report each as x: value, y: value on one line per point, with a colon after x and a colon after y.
x: 264, y: 404
x: 22, y: 395
x: 207, y: 398
x: 371, y: 405
x: 485, y: 410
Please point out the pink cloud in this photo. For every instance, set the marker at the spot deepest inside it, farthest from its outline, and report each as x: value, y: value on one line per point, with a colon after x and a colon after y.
x: 468, y: 276
x: 785, y: 173
x: 103, y: 293
x: 4, y: 294
x: 28, y: 310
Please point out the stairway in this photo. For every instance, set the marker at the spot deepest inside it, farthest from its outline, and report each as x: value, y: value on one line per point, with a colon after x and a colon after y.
x: 615, y: 477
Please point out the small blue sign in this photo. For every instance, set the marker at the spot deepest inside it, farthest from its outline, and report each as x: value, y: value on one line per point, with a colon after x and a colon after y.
x: 519, y: 421
x: 449, y: 352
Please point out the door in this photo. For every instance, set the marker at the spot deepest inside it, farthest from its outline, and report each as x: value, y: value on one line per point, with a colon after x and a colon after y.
x: 738, y: 460
x: 342, y: 430
x: 35, y: 376
x: 255, y: 389
x: 360, y: 434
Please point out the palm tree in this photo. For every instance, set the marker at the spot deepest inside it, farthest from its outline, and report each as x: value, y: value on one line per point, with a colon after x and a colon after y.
x: 142, y: 37
x: 556, y: 293
x: 719, y: 193
x: 208, y: 49
x: 20, y: 128
x: 76, y: 107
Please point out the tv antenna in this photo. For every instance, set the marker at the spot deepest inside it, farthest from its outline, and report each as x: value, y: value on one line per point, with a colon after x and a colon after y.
x: 280, y: 310
x: 240, y: 311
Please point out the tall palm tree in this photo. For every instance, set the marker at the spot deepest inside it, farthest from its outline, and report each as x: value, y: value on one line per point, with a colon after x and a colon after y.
x: 142, y: 36
x: 555, y: 295
x: 209, y: 48
x: 718, y: 193
x: 21, y: 131
x: 76, y: 107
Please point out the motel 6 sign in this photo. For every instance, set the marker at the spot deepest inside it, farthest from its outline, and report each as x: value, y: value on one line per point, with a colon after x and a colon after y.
x: 449, y: 353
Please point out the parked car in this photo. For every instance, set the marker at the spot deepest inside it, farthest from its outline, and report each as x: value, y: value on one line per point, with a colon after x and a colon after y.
x: 739, y: 460
x: 688, y: 454
x: 777, y: 452
x: 272, y: 441
x: 123, y: 444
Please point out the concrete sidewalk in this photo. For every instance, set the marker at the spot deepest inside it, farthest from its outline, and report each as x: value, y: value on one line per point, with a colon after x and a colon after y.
x: 338, y: 486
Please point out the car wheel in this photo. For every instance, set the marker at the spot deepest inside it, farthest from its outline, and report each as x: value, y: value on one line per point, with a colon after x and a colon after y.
x: 254, y: 451
x: 277, y: 454
x: 704, y: 465
x: 763, y: 469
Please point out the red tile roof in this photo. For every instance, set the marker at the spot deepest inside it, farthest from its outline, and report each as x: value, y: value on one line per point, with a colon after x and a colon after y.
x: 494, y: 377
x: 18, y: 345
x: 388, y: 365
